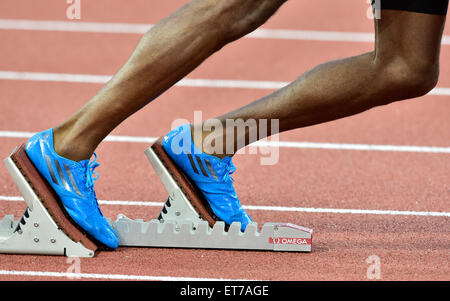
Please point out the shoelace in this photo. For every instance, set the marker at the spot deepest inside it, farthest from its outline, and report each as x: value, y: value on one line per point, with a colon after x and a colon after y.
x: 230, y: 169
x: 90, y: 179
x: 90, y: 173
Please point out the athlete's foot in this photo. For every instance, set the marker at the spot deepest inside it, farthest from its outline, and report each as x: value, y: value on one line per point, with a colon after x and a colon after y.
x: 73, y: 182
x: 209, y: 173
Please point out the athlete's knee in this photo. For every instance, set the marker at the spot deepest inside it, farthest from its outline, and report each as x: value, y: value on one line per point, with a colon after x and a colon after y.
x: 422, y: 76
x: 409, y: 78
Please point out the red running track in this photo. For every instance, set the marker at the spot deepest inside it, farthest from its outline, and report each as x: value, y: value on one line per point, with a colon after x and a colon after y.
x: 410, y: 246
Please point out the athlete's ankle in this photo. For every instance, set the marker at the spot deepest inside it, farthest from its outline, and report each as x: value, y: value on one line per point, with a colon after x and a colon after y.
x: 212, y: 142
x: 70, y: 147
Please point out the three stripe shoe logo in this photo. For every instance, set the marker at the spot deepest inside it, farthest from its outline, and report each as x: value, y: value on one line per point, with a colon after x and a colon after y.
x: 201, y: 166
x: 60, y: 177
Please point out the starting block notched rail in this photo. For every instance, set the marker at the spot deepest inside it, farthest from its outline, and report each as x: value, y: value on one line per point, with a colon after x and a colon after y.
x: 184, y: 221
x: 172, y: 234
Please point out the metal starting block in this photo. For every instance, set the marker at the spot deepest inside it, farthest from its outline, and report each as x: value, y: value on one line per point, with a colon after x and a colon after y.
x: 36, y: 232
x: 182, y: 223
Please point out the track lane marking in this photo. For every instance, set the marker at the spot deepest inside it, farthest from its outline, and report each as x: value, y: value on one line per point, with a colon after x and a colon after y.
x: 110, y: 276
x: 281, y: 144
x: 102, y: 79
x: 270, y: 208
x: 186, y: 82
x: 130, y: 28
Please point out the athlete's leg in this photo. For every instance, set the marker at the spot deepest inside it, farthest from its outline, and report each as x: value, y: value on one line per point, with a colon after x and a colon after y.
x: 167, y: 52
x: 404, y: 64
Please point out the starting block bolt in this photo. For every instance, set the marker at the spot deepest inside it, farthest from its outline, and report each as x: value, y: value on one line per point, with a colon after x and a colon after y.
x: 36, y: 239
x: 36, y: 225
x: 52, y: 240
x: 178, y: 213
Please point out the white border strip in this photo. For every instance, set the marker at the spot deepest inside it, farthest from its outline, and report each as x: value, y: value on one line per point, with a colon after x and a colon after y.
x: 67, y: 26
x: 353, y: 146
x: 282, y: 144
x: 110, y: 276
x: 186, y: 82
x: 271, y: 208
x: 127, y: 28
x: 101, y: 79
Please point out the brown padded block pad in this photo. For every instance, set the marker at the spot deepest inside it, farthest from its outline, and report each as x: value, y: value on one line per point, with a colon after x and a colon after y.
x: 196, y: 198
x: 48, y: 198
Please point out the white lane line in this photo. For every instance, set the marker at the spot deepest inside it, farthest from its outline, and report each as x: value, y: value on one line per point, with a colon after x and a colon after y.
x: 186, y: 82
x: 67, y: 26
x: 11, y: 198
x: 55, y: 77
x: 352, y: 146
x: 347, y: 211
x: 271, y: 208
x: 281, y: 144
x: 101, y: 79
x: 110, y: 276
x: 128, y: 28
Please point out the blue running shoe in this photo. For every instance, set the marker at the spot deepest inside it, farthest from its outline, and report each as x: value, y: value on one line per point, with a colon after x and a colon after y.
x: 73, y: 182
x: 209, y: 173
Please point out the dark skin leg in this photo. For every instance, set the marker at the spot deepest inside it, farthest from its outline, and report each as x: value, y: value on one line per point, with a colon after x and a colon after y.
x: 167, y: 53
x: 403, y: 65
